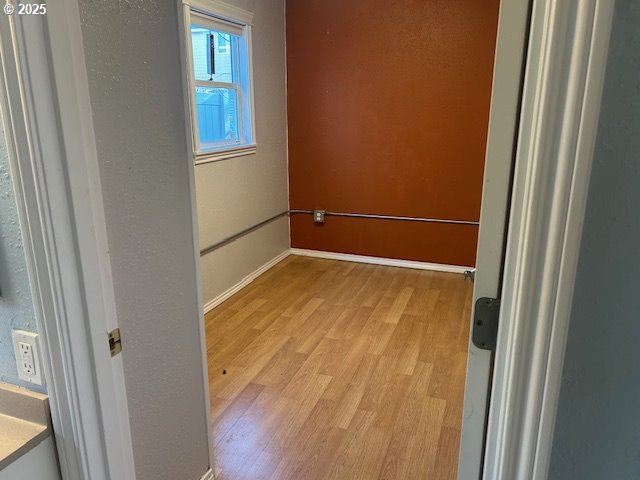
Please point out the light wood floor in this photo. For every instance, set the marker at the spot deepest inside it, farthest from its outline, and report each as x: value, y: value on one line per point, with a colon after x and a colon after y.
x: 333, y: 370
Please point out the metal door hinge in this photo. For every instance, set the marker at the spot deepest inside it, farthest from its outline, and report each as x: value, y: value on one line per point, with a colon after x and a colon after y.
x: 115, y: 344
x: 485, y: 323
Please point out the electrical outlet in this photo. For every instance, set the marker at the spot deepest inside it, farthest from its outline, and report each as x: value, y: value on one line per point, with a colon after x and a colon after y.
x: 26, y: 358
x: 25, y: 346
x: 318, y: 216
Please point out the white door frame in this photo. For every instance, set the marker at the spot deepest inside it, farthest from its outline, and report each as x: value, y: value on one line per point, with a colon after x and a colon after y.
x: 56, y: 178
x: 51, y: 145
x: 511, y: 45
x: 568, y: 46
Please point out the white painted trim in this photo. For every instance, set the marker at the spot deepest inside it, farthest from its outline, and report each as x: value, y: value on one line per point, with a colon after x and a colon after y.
x: 208, y: 475
x: 252, y: 90
x: 210, y: 305
x: 564, y: 79
x: 215, y: 22
x: 57, y: 184
x: 389, y: 262
x: 511, y: 46
x: 595, y: 74
x: 222, y: 10
x: 184, y: 28
x: 216, y: 156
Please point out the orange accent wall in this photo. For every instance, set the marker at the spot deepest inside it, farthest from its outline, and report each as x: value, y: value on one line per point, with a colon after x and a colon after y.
x: 388, y: 105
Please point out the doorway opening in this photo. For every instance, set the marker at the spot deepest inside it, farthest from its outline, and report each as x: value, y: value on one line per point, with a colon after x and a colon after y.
x: 336, y: 231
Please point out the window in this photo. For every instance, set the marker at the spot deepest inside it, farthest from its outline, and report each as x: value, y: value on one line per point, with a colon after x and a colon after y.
x: 220, y: 82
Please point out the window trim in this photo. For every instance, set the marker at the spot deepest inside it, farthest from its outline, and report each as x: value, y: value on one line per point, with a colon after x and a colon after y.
x: 222, y: 10
x: 224, y: 153
x: 225, y: 12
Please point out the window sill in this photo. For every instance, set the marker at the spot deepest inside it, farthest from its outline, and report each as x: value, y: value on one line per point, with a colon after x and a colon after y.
x: 215, y: 156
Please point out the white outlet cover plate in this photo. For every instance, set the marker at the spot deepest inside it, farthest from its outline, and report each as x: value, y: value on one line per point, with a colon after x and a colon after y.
x: 30, y: 338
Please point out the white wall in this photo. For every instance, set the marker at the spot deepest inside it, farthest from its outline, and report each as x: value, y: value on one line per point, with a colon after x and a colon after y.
x: 237, y: 193
x: 136, y: 88
x: 597, y: 434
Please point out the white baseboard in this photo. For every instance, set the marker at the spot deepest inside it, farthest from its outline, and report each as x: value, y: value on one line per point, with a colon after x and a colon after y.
x: 208, y: 475
x: 244, y: 282
x: 389, y: 262
x: 346, y: 257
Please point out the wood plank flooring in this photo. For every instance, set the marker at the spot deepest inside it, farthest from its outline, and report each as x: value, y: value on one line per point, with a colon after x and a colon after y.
x: 333, y: 370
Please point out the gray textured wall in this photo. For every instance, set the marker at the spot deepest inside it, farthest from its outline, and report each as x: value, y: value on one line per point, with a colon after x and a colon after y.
x: 598, y: 424
x: 16, y: 307
x: 132, y: 54
x: 239, y: 192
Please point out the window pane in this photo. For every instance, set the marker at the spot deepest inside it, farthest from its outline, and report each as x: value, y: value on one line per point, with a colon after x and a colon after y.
x: 215, y: 55
x: 217, y: 116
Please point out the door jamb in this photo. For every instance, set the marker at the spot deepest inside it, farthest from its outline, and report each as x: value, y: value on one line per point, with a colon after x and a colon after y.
x: 510, y: 52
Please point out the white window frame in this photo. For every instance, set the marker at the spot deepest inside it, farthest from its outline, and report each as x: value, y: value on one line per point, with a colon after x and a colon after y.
x: 246, y: 113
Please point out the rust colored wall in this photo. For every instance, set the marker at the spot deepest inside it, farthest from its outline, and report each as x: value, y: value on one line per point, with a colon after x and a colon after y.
x: 388, y: 105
